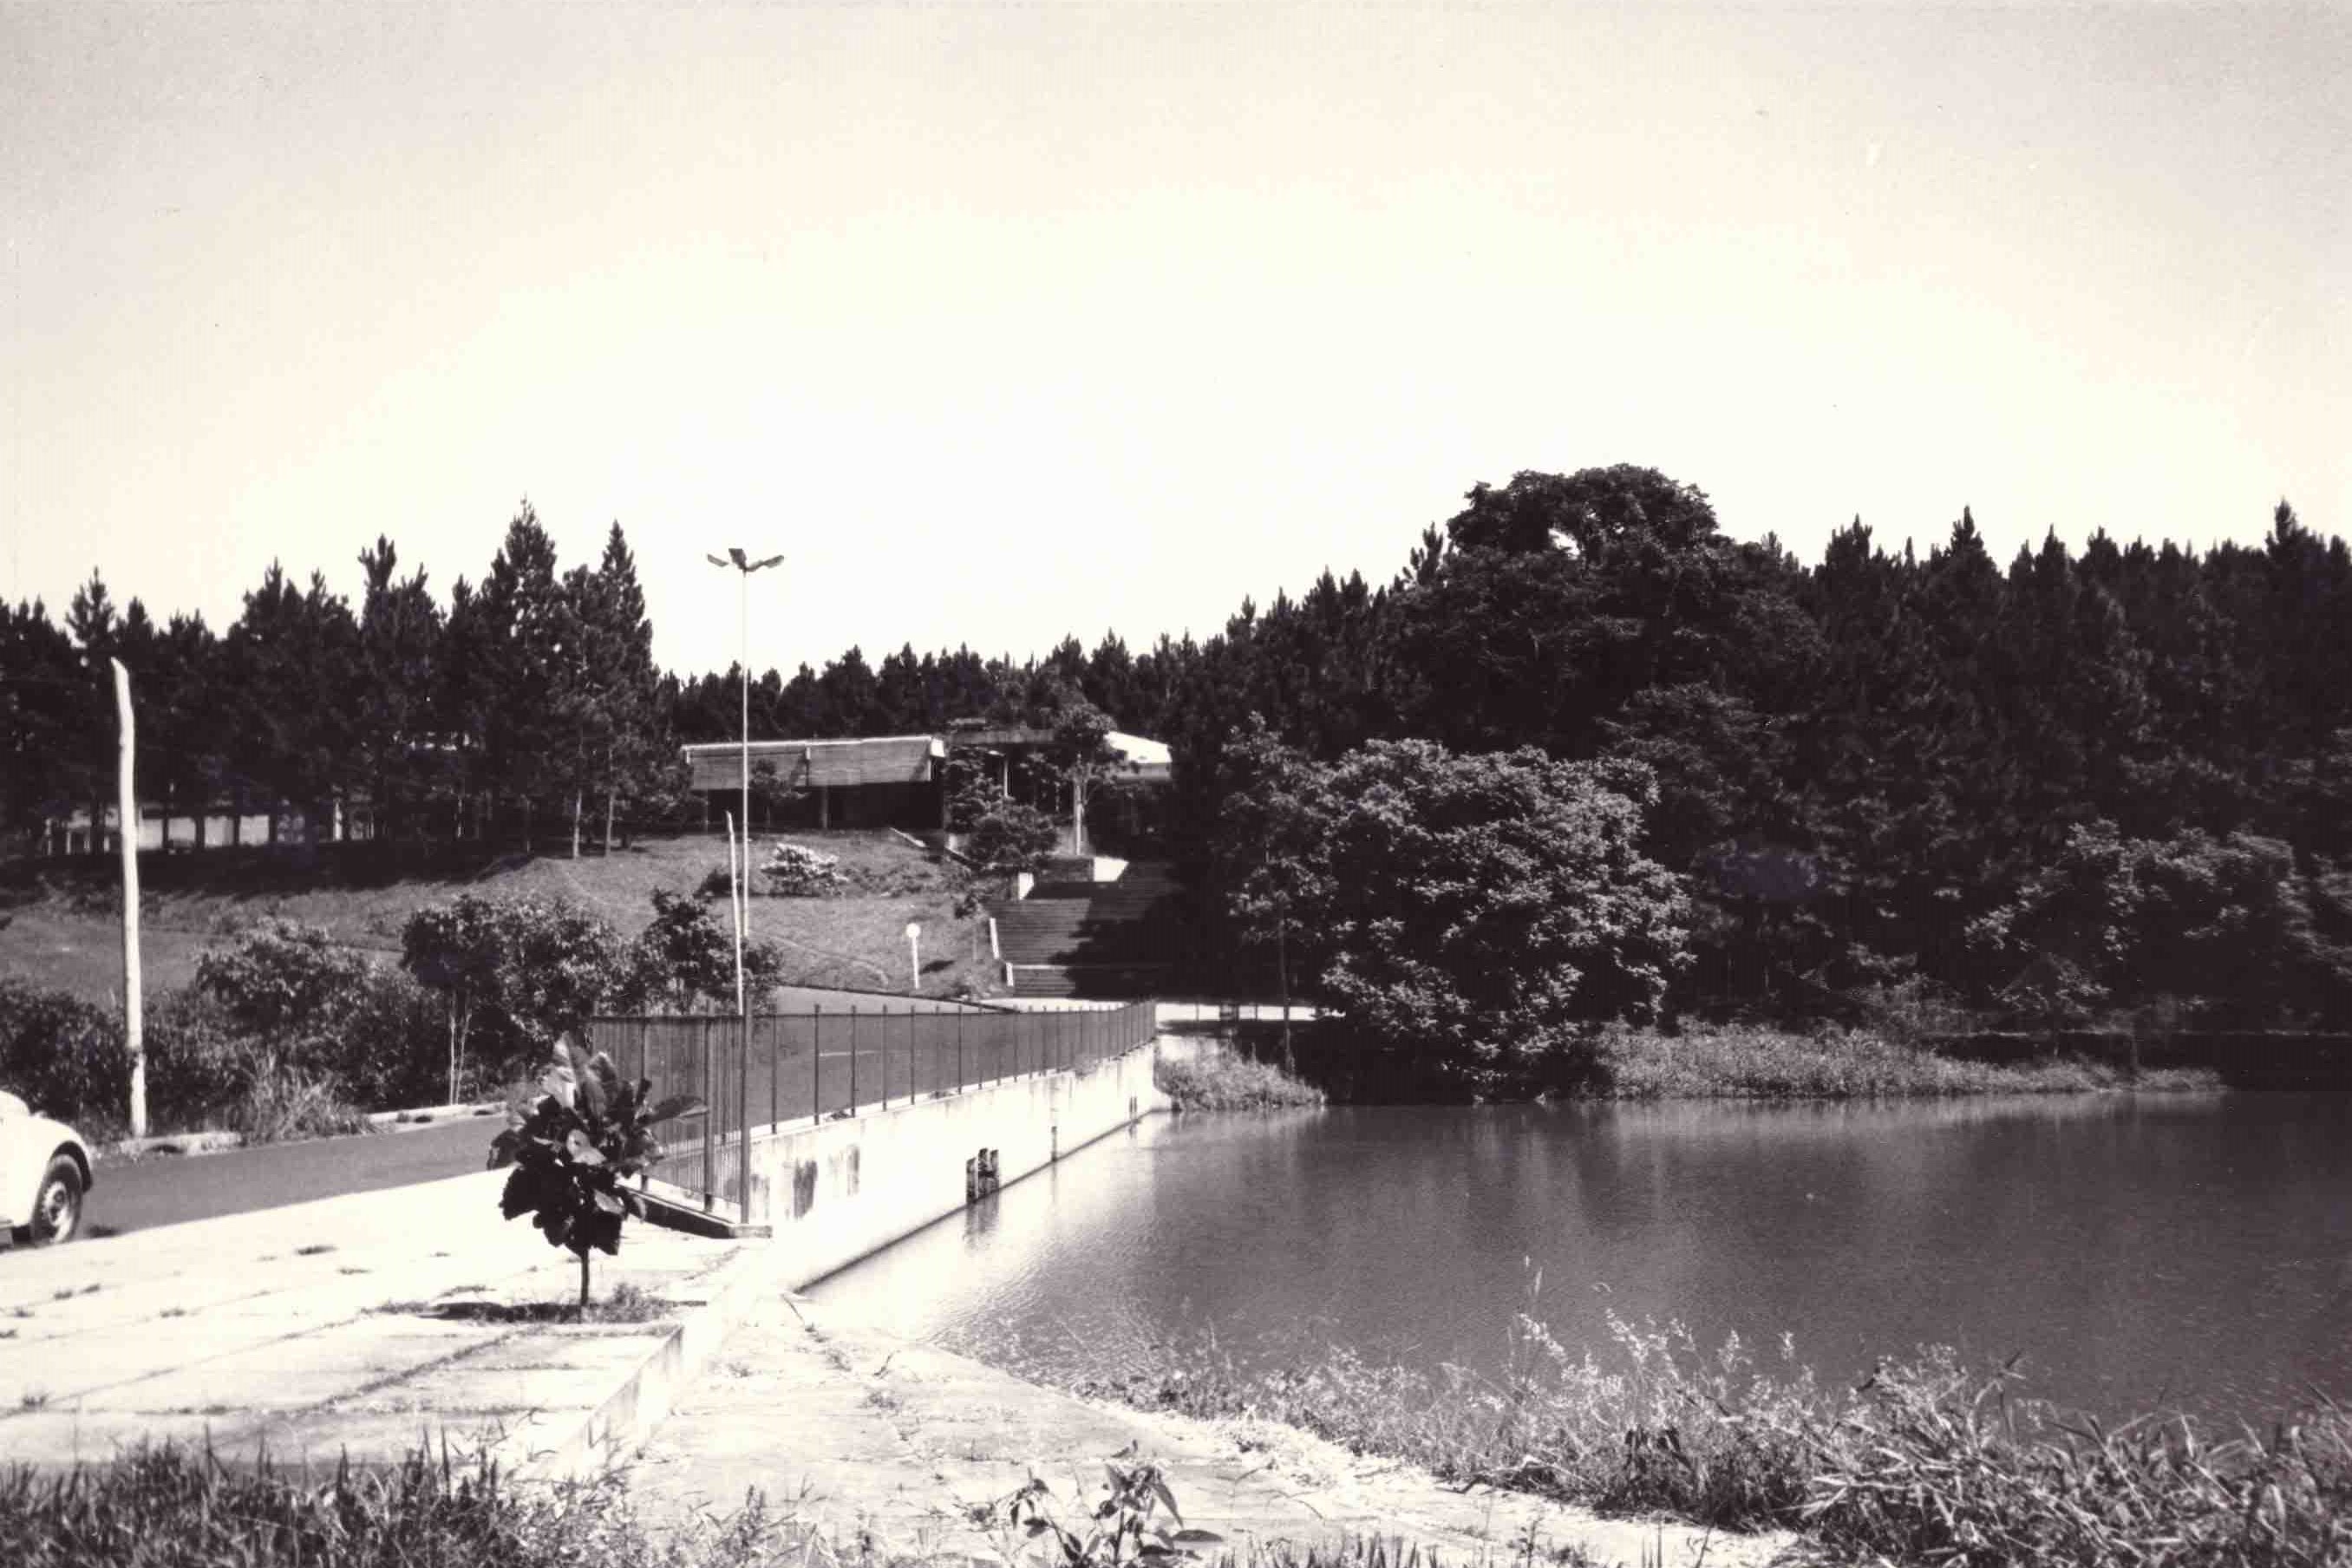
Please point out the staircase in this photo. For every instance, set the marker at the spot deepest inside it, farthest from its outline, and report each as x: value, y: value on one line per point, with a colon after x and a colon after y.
x: 1090, y: 939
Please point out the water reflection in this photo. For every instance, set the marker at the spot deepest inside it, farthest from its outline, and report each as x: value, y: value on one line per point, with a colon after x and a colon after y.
x: 2137, y: 1251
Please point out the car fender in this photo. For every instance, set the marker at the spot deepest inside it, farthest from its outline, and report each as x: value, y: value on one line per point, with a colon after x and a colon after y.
x: 27, y: 1144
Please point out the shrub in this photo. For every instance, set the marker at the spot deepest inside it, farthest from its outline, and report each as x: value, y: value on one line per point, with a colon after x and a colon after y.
x: 280, y: 975
x: 575, y: 1149
x: 797, y: 871
x: 518, y: 972
x: 287, y: 1104
x: 63, y: 1055
x: 1220, y: 1081
x: 343, y: 1027
x: 69, y: 1059
x: 685, y: 959
x: 1008, y: 836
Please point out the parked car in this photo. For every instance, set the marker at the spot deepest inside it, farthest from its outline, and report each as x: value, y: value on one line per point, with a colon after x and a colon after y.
x: 45, y: 1168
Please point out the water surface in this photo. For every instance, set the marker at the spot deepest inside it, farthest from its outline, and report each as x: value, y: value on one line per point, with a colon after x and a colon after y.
x: 2137, y: 1252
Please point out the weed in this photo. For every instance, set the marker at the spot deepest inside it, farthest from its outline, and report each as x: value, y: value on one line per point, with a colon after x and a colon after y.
x: 1927, y: 1462
x: 626, y: 1303
x: 314, y: 1249
x: 172, y: 1312
x: 34, y: 1399
x: 1740, y: 1062
x: 1223, y: 1081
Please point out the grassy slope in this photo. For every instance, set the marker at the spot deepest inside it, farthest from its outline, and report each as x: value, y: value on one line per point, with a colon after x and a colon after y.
x: 63, y: 931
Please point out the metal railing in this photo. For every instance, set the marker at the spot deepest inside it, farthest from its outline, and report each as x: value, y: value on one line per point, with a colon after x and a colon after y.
x: 775, y: 1068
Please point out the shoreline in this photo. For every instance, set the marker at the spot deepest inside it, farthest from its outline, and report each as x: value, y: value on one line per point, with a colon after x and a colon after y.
x: 1701, y: 1063
x: 1925, y: 1460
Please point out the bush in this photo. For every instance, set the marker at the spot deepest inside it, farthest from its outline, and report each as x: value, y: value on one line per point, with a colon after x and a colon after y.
x: 280, y: 975
x: 1219, y: 1080
x: 387, y: 1046
x: 1010, y: 836
x: 279, y: 1107
x: 797, y: 871
x: 62, y: 1054
x: 342, y: 1026
x: 513, y: 975
x: 68, y: 1057
x: 684, y: 960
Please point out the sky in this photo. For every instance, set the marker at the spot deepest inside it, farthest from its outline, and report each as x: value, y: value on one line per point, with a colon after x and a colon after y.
x: 1004, y: 323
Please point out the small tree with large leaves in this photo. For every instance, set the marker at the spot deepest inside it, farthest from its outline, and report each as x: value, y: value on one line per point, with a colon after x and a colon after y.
x: 575, y: 1150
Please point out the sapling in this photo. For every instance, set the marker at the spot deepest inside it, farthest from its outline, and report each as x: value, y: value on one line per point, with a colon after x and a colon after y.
x: 575, y: 1150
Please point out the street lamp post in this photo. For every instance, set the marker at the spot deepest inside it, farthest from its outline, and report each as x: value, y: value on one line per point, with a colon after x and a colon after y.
x: 744, y: 568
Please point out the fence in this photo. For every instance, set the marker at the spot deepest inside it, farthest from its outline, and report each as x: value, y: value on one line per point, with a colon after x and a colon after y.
x: 777, y: 1067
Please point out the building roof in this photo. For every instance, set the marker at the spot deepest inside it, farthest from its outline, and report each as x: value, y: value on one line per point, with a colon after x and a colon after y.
x: 817, y: 765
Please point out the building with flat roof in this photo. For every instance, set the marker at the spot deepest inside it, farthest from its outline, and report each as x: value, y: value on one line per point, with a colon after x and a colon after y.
x: 875, y: 781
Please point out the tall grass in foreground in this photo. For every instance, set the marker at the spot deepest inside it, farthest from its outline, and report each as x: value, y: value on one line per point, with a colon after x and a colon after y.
x: 1927, y: 1462
x: 1738, y: 1061
x: 1220, y: 1080
x: 165, y: 1506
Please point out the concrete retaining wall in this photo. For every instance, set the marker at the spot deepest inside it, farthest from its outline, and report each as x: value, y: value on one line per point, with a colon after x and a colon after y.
x: 839, y: 1190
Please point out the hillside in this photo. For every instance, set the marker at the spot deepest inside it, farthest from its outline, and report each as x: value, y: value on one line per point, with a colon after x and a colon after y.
x: 61, y: 924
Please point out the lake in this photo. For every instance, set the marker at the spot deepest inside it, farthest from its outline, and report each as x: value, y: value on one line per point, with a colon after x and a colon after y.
x: 2138, y: 1252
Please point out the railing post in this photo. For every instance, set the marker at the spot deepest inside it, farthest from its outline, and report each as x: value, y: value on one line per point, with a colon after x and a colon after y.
x: 776, y: 1073
x: 853, y: 1058
x: 709, y: 1122
x: 959, y: 1017
x: 816, y: 1065
x: 743, y: 1127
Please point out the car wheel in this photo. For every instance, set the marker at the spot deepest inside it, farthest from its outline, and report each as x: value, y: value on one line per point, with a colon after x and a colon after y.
x: 56, y: 1210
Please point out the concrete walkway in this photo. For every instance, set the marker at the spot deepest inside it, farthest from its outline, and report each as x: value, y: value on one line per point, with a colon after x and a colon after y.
x: 361, y: 1324
x: 861, y: 1433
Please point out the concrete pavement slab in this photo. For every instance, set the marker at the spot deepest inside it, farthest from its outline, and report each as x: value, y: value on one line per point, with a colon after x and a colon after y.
x: 365, y: 1324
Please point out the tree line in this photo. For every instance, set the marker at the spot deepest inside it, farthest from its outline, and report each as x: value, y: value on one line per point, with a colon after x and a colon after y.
x: 529, y: 698
x: 2079, y: 779
x: 532, y: 691
x: 2081, y: 784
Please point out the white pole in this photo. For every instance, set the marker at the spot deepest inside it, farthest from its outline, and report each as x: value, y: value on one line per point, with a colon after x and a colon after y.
x: 127, y: 812
x: 743, y: 914
x: 735, y: 907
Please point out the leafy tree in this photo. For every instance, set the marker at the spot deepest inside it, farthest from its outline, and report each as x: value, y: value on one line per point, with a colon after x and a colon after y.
x: 1081, y: 754
x: 1267, y: 873
x: 1479, y: 910
x: 573, y: 1151
x: 523, y: 970
x: 1009, y: 836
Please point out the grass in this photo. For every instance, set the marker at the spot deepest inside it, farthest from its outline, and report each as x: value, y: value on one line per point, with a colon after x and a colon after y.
x: 1927, y: 1462
x: 1733, y: 1061
x: 64, y: 932
x: 167, y: 1507
x: 1219, y: 1080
